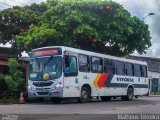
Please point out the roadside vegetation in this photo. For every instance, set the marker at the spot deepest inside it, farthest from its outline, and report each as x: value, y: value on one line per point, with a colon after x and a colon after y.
x: 13, y: 82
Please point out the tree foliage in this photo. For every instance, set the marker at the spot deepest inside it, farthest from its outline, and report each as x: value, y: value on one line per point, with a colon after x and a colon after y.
x: 15, y: 20
x: 101, y: 26
x: 14, y: 80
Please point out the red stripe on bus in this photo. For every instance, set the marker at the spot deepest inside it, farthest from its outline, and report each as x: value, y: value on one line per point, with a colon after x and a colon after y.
x: 102, y: 80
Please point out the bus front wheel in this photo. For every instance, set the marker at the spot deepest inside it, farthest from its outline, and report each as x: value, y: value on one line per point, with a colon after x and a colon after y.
x: 84, y: 95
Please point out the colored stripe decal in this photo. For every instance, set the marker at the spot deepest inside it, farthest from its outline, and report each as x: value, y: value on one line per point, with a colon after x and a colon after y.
x: 109, y: 79
x: 102, y: 80
x: 96, y: 80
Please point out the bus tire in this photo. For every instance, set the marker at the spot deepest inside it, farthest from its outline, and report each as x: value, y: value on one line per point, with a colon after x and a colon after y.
x: 56, y: 100
x: 85, y: 94
x: 130, y: 94
x: 105, y: 98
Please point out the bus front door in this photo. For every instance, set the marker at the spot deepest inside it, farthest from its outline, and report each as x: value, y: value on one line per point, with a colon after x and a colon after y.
x: 71, y: 86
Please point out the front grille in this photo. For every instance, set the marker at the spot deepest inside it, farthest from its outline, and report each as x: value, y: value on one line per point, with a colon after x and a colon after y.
x: 42, y: 84
x: 42, y: 93
x: 43, y: 89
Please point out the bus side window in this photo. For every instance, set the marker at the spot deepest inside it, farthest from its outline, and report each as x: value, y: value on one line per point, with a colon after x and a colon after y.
x: 119, y: 66
x: 137, y: 70
x: 109, y: 66
x: 129, y: 69
x: 97, y: 64
x: 70, y: 66
x: 144, y: 71
x: 84, y: 63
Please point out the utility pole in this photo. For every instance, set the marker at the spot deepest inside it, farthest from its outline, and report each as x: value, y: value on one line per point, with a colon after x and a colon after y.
x: 150, y: 77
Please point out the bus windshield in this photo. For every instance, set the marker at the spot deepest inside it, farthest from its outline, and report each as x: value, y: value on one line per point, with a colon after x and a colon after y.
x: 45, y: 68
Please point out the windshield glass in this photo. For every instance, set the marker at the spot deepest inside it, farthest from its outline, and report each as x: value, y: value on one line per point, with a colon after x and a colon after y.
x: 45, y: 68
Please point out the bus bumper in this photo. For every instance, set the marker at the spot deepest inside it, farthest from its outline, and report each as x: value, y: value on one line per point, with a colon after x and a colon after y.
x: 46, y: 94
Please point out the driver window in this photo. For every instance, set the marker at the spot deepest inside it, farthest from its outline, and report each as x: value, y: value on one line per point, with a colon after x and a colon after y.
x: 70, y: 66
x: 73, y: 65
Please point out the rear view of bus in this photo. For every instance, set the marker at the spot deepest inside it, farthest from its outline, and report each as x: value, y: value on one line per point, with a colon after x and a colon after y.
x: 45, y: 73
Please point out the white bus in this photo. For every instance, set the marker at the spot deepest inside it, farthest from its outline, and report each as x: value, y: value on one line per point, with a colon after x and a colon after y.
x: 59, y: 72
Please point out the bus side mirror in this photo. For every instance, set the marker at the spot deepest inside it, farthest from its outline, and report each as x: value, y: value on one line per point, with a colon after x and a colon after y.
x: 67, y: 59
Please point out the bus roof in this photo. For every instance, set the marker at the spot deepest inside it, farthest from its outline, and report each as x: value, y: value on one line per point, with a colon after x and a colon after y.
x: 76, y: 50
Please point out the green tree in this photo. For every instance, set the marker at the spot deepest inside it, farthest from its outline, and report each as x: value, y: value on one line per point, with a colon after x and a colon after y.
x: 14, y: 80
x: 16, y: 20
x: 101, y: 26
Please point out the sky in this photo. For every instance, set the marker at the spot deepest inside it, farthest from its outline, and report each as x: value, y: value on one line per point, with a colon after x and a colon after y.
x: 139, y: 8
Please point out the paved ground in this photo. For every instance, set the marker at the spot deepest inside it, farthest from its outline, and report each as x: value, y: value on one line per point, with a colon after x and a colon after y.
x: 91, y: 110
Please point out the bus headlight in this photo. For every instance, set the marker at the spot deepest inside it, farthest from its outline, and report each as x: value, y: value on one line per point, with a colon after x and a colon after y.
x: 56, y: 86
x: 30, y: 88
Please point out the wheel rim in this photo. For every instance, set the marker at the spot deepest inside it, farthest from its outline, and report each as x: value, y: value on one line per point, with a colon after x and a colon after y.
x: 130, y: 93
x: 84, y: 95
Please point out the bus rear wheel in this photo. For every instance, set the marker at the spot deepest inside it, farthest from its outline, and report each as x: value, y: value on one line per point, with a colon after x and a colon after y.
x: 85, y: 94
x: 130, y: 94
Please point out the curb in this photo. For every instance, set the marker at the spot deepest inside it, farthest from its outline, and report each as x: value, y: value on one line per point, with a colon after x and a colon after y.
x: 154, y: 96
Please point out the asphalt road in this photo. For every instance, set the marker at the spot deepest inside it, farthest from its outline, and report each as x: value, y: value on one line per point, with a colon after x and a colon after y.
x: 93, y: 110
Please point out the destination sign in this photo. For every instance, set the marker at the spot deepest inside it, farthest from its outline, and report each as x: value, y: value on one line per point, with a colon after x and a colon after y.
x: 48, y: 52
